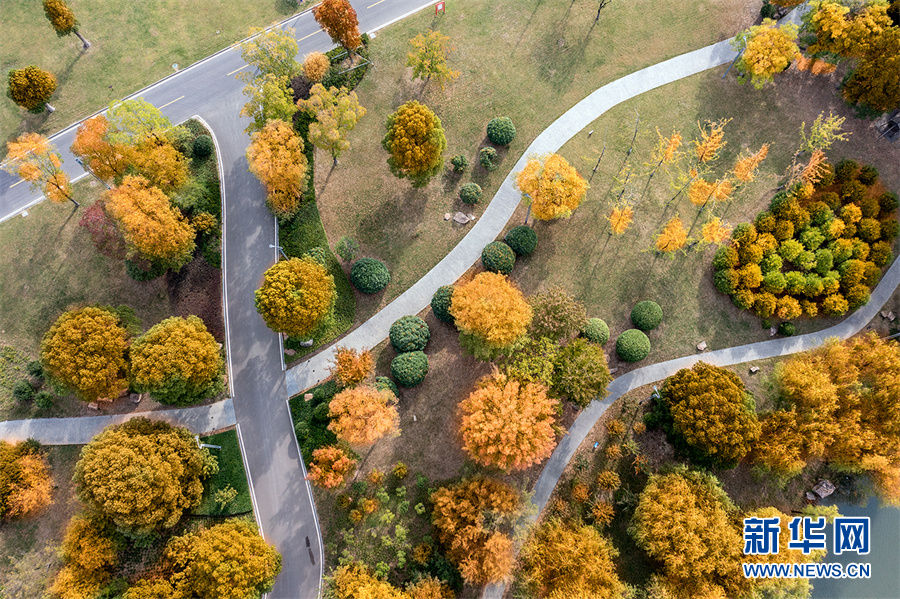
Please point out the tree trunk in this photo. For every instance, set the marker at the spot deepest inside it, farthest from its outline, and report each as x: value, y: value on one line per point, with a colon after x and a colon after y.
x: 49, y: 107
x: 86, y: 43
x: 335, y: 160
x: 77, y: 205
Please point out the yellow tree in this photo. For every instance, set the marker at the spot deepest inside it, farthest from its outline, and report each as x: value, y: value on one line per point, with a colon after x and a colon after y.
x: 92, y: 145
x: 269, y: 99
x: 362, y: 415
x: 31, y: 87
x: 152, y: 227
x: 178, y: 361
x: 276, y: 158
x: 562, y: 560
x: 156, y: 159
x: 715, y: 231
x: 620, y: 219
x: 336, y: 112
x: 553, y: 187
x: 508, y: 424
x: 745, y: 168
x: 90, y: 557
x: 63, y: 20
x: 33, y: 157
x: 315, y: 66
x: 355, y: 581
x: 272, y: 52
x: 428, y: 58
x: 351, y: 367
x: 672, y: 238
x: 85, y: 350
x: 767, y: 50
x: 415, y: 141
x: 142, y: 475
x: 482, y: 554
x: 490, y: 308
x: 296, y: 296
x: 338, y: 19
x: 823, y: 133
x: 711, y: 140
x: 330, y: 466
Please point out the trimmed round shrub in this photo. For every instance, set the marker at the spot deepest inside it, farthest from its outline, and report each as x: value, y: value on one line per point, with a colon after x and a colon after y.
x: 726, y: 257
x: 880, y: 253
x: 632, y: 346
x: 498, y: 257
x: 889, y: 228
x: 369, y: 275
x: 320, y: 412
x: 726, y: 280
x: 853, y: 191
x: 440, y: 303
x: 869, y: 229
x: 383, y: 382
x: 832, y: 200
x: 488, y: 158
x: 596, y: 331
x: 771, y: 263
x: 868, y: 175
x: 43, y: 400
x: 870, y: 207
x: 768, y: 11
x: 774, y: 282
x: 835, y: 305
x: 522, y: 240
x: 35, y: 369
x: 470, y: 193
x: 320, y: 255
x: 203, y: 147
x: 459, y: 163
x: 764, y: 304
x: 409, y: 333
x: 409, y: 369
x: 501, y: 131
x: 23, y: 391
x: 743, y: 299
x: 646, y: 315
x: 787, y: 329
x: 764, y: 222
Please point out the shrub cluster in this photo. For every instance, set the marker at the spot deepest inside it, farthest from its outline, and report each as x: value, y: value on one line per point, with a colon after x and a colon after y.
x: 522, y: 240
x: 202, y: 147
x: 409, y: 333
x: 488, y: 158
x: 632, y: 346
x: 596, y: 331
x: 501, y: 131
x: 460, y: 163
x: 470, y: 193
x: 369, y: 275
x: 646, y: 315
x: 818, y: 249
x: 409, y: 369
x: 498, y: 257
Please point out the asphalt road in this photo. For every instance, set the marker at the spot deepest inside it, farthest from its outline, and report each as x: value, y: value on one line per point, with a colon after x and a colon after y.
x: 282, y: 499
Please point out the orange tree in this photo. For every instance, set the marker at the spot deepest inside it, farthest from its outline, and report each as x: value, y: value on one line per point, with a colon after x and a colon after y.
x: 508, y: 424
x: 840, y: 407
x: 30, y: 87
x: 352, y: 367
x: 33, y: 157
x: 25, y: 485
x: 330, y: 466
x: 63, y: 20
x: 164, y: 166
x: 768, y: 50
x: 362, y: 415
x: 107, y: 160
x: 490, y: 313
x: 153, y: 228
x: 142, y: 475
x: 482, y: 554
x: 687, y: 522
x: 85, y: 351
x: 338, y: 19
x: 178, y: 361
x: 416, y: 143
x: 276, y: 158
x: 296, y: 296
x: 708, y: 414
x: 564, y: 559
x: 551, y: 187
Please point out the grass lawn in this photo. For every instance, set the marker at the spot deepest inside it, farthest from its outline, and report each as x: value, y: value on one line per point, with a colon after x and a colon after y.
x: 610, y: 275
x: 28, y: 546
x: 527, y: 60
x: 231, y: 474
x: 133, y: 45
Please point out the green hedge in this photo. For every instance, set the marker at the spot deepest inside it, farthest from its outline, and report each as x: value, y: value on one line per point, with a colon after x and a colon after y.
x: 498, y: 257
x: 596, y: 331
x: 409, y: 333
x: 409, y: 369
x: 632, y: 346
x: 522, y: 240
x: 646, y: 315
x: 369, y: 275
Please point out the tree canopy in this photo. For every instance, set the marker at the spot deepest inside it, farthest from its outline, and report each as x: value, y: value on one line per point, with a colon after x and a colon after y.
x: 142, y: 475
x: 31, y: 87
x: 33, y: 157
x: 362, y: 415
x: 336, y: 112
x: 580, y: 372
x: 338, y: 19
x: 25, y: 484
x: 552, y: 187
x: 269, y: 99
x: 178, y: 361
x: 556, y: 315
x: 276, y: 158
x: 491, y: 308
x: 296, y: 296
x: 508, y: 424
x: 271, y: 52
x: 416, y: 143
x: 63, y: 20
x: 130, y: 121
x: 428, y: 58
x: 768, y: 50
x: 85, y: 350
x: 92, y: 145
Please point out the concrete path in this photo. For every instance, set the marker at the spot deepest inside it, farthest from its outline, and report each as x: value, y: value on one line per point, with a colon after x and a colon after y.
x: 79, y: 431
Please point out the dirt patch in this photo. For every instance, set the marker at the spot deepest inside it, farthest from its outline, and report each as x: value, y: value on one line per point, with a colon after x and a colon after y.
x: 197, y: 290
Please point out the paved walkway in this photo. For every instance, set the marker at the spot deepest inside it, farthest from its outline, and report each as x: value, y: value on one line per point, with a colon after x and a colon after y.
x: 79, y: 431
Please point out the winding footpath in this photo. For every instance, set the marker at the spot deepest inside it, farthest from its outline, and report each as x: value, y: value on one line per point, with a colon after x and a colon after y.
x: 282, y: 502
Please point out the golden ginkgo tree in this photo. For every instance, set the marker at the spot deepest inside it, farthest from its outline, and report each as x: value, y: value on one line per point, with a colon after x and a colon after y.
x: 32, y: 157
x: 551, y: 187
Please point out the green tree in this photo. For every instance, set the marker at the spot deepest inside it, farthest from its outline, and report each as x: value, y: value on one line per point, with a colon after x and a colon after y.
x: 712, y: 411
x: 63, y: 20
x: 580, y: 372
x: 142, y: 475
x: 31, y: 87
x: 428, y: 58
x: 416, y: 143
x: 178, y: 361
x: 270, y: 98
x: 130, y: 121
x: 296, y: 296
x: 85, y: 350
x: 336, y: 112
x: 557, y: 315
x: 271, y: 52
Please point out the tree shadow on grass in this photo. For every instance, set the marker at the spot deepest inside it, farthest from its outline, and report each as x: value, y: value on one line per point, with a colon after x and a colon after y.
x: 559, y: 55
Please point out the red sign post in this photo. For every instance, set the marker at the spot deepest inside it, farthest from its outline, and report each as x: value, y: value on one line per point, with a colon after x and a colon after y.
x: 439, y: 7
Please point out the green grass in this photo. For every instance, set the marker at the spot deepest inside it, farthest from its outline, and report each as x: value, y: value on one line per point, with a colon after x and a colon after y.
x: 530, y: 61
x: 231, y: 474
x: 134, y: 45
